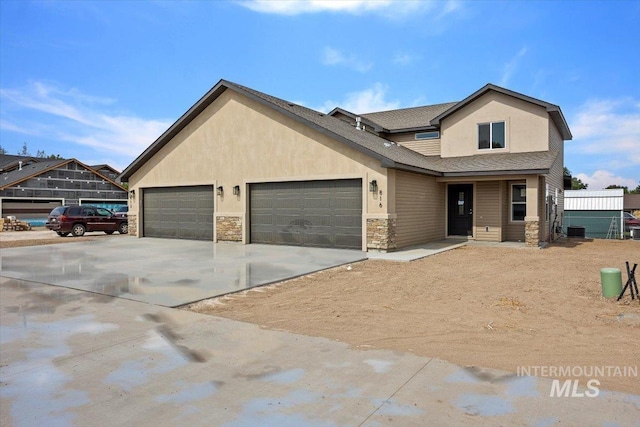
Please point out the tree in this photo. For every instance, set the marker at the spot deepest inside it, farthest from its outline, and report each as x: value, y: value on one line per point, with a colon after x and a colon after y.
x: 40, y: 153
x: 24, y: 151
x: 576, y: 183
x: 635, y: 190
x: 2, y: 150
x: 614, y: 186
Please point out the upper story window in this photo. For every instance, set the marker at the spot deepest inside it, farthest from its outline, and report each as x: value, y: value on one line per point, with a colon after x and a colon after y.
x: 491, y: 136
x: 427, y: 135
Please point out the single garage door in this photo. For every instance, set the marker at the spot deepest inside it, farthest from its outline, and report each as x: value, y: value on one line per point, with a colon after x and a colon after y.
x: 178, y: 212
x: 307, y: 213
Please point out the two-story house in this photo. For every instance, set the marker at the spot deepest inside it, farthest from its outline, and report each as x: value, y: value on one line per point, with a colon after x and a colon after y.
x: 241, y: 165
x: 30, y: 187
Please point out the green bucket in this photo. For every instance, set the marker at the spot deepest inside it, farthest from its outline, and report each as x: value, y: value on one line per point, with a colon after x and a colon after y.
x: 611, y: 282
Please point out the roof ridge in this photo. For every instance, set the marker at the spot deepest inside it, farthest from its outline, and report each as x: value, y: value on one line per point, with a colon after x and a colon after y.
x: 412, y: 108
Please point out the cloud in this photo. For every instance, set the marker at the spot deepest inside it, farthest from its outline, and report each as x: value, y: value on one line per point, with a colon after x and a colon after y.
x: 386, y: 8
x: 72, y: 116
x: 511, y: 66
x: 365, y: 101
x: 609, y: 127
x: 331, y: 57
x: 603, y: 178
x: 403, y: 59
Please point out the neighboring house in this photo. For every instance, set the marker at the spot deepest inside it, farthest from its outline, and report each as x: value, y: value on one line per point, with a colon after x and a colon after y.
x: 632, y: 204
x: 31, y: 187
x: 242, y: 165
x: 107, y: 171
x: 598, y: 211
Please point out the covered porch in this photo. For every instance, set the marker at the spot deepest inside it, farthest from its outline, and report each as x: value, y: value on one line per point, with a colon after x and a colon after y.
x: 515, y: 208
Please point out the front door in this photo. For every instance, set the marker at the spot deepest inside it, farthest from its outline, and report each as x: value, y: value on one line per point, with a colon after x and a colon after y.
x: 460, y: 209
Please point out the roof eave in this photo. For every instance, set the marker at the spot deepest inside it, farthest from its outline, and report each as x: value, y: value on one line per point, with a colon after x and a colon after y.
x: 497, y: 172
x: 413, y: 129
x: 390, y: 164
x: 174, y: 129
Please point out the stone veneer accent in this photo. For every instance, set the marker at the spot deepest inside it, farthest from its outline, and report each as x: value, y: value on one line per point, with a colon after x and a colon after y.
x: 381, y: 234
x: 229, y: 228
x: 532, y: 233
x: 133, y: 224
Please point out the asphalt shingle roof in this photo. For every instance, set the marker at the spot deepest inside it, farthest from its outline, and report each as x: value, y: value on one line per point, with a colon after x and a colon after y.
x: 8, y: 160
x: 7, y: 179
x: 408, y: 118
x: 380, y: 147
x: 390, y: 154
x: 487, y: 163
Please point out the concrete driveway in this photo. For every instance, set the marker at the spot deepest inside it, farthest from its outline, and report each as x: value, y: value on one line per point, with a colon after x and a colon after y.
x: 164, y: 271
x: 72, y: 357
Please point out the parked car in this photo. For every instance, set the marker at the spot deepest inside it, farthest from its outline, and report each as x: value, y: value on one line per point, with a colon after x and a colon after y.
x: 121, y: 211
x: 630, y: 221
x: 79, y: 219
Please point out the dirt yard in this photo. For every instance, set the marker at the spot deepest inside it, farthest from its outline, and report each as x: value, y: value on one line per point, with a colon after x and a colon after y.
x: 474, y: 306
x: 42, y: 236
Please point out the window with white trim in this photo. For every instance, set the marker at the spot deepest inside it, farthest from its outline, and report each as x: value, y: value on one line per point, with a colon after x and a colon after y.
x: 518, y: 202
x: 492, y: 136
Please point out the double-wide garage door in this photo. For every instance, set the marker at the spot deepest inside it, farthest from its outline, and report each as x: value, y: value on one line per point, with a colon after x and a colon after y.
x: 307, y: 213
x: 178, y: 212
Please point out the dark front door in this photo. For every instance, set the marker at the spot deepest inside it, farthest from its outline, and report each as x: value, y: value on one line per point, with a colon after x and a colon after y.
x: 460, y: 209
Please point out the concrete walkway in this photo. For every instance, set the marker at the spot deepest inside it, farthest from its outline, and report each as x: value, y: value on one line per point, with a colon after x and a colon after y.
x: 413, y: 253
x: 72, y: 357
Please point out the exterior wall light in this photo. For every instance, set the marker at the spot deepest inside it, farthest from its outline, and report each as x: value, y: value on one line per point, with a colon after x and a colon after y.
x: 132, y: 194
x: 236, y: 190
x: 373, y: 186
x: 220, y: 191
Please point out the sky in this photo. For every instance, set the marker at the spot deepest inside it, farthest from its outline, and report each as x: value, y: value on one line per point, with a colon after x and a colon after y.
x: 101, y: 80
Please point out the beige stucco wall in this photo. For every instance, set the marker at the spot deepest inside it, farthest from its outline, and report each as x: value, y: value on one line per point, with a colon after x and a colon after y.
x: 237, y: 141
x: 527, y: 126
x: 420, y: 209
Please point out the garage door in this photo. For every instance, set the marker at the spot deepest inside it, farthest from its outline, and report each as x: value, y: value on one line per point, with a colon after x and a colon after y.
x: 307, y: 213
x: 178, y: 212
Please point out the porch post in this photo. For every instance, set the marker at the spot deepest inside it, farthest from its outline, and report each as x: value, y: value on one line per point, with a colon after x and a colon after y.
x: 532, y: 218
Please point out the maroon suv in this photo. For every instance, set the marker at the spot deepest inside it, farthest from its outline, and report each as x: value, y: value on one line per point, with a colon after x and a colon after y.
x: 79, y: 219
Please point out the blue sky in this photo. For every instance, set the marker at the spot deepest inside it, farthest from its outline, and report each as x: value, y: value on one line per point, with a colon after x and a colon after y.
x: 100, y: 80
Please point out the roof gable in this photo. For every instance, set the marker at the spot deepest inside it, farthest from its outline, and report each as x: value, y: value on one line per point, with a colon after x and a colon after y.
x: 554, y: 111
x: 17, y: 176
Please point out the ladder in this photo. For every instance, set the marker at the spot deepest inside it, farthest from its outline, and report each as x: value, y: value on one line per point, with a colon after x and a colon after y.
x: 613, y: 229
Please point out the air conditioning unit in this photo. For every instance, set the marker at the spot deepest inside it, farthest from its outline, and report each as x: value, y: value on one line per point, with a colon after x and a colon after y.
x: 576, y: 231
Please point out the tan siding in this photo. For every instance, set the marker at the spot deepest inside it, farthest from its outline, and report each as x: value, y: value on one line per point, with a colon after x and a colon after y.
x: 514, y: 231
x: 427, y: 147
x: 487, y: 211
x: 420, y: 209
x: 555, y: 178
